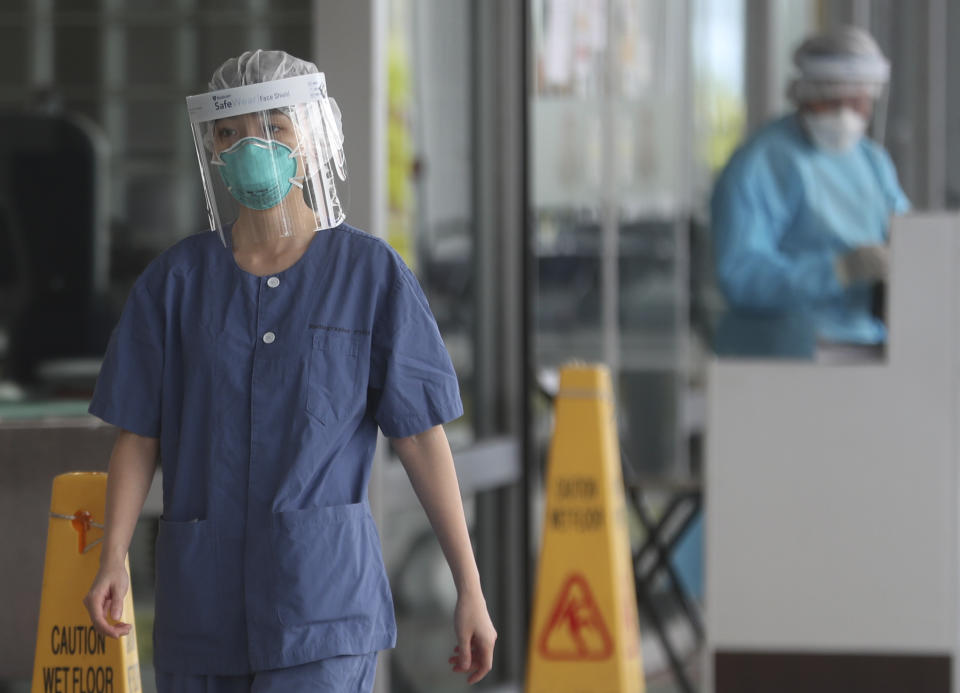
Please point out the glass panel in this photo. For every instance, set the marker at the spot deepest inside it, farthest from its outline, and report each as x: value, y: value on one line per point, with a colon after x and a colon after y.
x: 151, y: 203
x: 568, y: 312
x: 294, y: 39
x: 652, y: 126
x: 567, y: 119
x: 14, y: 49
x: 719, y: 98
x: 430, y: 180
x: 149, y: 4
x: 650, y: 120
x: 611, y: 147
x: 953, y: 112
x: 430, y: 222
x: 796, y: 19
x: 653, y: 335
x: 649, y: 317
x: 567, y: 178
x: 76, y: 5
x: 612, y: 134
x: 304, y: 6
x: 77, y: 55
x: 570, y: 44
x: 88, y: 108
x: 152, y: 127
x: 649, y: 437
x: 609, y: 158
x: 221, y: 5
x: 216, y: 45
x: 151, y: 56
x: 720, y: 115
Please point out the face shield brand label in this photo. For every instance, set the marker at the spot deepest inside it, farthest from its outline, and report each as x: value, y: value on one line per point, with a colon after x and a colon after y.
x: 221, y: 103
x: 257, y: 97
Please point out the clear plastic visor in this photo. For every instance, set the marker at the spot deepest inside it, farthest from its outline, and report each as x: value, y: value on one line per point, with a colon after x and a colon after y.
x: 274, y: 172
x: 849, y: 94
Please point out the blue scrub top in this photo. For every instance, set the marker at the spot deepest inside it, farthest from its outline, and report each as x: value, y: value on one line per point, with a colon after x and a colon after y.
x: 266, y: 394
x: 782, y: 212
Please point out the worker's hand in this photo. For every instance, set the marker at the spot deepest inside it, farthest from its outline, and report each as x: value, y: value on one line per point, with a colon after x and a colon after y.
x: 476, y: 635
x: 104, y: 601
x: 864, y: 265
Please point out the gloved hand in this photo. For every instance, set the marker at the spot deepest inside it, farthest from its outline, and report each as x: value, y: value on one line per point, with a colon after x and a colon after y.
x: 863, y: 265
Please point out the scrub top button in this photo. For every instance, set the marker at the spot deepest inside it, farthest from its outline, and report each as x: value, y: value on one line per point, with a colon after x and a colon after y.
x: 273, y: 282
x: 269, y: 337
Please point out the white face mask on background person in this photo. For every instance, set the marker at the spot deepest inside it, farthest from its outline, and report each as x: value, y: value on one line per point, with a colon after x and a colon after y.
x: 837, y: 130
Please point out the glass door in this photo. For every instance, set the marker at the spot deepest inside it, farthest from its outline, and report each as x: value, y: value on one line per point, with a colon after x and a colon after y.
x: 444, y: 216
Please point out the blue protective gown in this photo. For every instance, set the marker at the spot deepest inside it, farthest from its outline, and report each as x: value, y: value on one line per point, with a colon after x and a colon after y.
x: 266, y: 394
x: 782, y: 212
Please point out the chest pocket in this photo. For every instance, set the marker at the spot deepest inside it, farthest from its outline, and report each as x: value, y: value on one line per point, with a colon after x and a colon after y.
x: 334, y: 382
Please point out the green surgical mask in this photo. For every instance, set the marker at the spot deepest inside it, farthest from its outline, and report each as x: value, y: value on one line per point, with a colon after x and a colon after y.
x: 257, y: 172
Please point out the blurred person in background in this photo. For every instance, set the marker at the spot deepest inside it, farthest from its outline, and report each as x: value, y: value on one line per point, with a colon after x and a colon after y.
x: 800, y: 214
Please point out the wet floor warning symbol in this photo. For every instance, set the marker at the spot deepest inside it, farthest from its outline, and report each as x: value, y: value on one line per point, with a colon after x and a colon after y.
x: 576, y: 630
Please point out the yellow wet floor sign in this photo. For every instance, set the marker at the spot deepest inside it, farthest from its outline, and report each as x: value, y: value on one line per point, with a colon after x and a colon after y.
x: 584, y: 635
x: 72, y: 657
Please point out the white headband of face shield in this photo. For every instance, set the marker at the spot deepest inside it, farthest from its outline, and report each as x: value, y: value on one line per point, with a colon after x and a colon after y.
x: 844, y: 68
x: 251, y: 98
x: 826, y: 77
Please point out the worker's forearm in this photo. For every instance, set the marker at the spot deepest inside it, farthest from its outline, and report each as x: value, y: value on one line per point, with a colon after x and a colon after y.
x: 132, y: 466
x: 429, y: 464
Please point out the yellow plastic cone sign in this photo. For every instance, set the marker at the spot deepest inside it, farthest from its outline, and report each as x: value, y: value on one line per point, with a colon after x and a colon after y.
x: 584, y: 633
x: 72, y: 657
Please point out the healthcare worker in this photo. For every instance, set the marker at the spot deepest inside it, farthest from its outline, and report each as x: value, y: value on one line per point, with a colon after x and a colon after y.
x: 258, y: 362
x: 800, y: 214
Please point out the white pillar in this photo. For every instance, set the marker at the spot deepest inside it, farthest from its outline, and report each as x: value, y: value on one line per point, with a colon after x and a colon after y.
x: 349, y: 40
x: 762, y: 86
x: 349, y: 46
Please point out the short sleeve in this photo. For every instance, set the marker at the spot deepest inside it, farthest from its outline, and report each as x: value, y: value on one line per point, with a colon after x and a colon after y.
x: 411, y: 374
x: 128, y: 391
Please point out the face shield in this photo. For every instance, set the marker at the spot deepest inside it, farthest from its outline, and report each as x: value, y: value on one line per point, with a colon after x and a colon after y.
x: 847, y: 96
x: 271, y: 156
x: 845, y: 68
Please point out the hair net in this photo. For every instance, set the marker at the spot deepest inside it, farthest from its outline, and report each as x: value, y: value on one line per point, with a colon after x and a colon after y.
x: 256, y: 67
x: 845, y: 62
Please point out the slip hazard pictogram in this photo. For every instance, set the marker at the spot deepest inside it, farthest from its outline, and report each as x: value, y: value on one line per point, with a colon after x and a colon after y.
x: 575, y: 629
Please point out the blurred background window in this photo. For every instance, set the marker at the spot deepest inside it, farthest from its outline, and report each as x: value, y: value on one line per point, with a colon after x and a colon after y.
x: 127, y: 66
x: 442, y: 135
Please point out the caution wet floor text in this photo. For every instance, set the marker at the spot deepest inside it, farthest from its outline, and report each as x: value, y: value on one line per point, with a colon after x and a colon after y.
x: 71, y: 656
